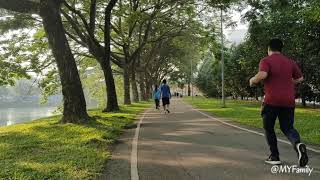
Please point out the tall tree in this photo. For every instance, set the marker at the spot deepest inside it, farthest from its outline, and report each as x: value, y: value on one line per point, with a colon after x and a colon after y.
x: 136, y: 21
x: 83, y: 31
x: 142, y: 24
x: 74, y: 102
x: 300, y: 36
x: 112, y: 102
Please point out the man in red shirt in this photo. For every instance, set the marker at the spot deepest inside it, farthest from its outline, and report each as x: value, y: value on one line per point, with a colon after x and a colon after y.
x: 280, y: 74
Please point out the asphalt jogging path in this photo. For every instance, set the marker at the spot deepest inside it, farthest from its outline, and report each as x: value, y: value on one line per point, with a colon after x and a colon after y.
x: 190, y: 145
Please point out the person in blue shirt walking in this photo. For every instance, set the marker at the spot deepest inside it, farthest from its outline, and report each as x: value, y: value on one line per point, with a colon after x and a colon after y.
x: 166, y: 96
x: 156, y: 96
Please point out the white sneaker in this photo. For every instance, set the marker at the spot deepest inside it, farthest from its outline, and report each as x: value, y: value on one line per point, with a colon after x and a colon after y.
x: 274, y: 160
x: 302, y: 154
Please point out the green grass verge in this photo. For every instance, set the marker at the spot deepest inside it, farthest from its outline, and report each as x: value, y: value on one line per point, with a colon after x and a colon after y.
x: 307, y: 120
x: 44, y: 149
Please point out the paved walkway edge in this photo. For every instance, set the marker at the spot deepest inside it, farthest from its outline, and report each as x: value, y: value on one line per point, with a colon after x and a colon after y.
x: 250, y: 131
x: 134, y: 151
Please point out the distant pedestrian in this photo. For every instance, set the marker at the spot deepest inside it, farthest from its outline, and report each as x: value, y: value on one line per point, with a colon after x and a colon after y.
x: 157, y: 96
x: 166, y: 96
x: 280, y: 74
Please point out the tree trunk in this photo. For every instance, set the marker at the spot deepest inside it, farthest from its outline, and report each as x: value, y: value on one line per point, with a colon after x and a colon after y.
x: 126, y: 83
x: 142, y: 86
x: 149, y: 86
x: 189, y: 89
x: 74, y: 104
x: 134, y: 86
x: 304, y: 104
x: 112, y: 100
x: 148, y: 90
x: 149, y: 93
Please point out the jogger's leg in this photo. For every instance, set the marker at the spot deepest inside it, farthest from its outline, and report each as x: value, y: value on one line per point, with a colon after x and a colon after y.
x: 164, y: 104
x: 158, y: 103
x: 269, y: 116
x: 168, y: 108
x: 168, y: 105
x: 286, y: 119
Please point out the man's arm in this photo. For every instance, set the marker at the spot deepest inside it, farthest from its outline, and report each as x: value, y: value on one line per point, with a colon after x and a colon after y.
x: 297, y: 81
x: 296, y: 74
x: 261, y: 75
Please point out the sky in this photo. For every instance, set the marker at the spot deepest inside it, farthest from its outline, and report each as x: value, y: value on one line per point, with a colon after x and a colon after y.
x: 237, y: 34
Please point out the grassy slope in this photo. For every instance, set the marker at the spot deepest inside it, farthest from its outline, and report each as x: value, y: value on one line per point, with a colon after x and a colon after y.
x: 44, y: 149
x: 307, y: 120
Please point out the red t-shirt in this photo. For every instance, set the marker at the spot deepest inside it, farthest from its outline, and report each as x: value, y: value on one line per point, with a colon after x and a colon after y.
x: 278, y: 86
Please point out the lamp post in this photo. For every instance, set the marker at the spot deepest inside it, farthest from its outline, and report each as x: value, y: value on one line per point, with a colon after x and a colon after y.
x: 222, y: 60
x: 191, y: 68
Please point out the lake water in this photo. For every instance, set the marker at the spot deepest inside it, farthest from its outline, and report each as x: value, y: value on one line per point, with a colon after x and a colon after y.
x: 9, y: 116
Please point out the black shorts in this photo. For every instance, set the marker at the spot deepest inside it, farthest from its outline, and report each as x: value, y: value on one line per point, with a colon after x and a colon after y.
x: 165, y: 101
x: 157, y: 102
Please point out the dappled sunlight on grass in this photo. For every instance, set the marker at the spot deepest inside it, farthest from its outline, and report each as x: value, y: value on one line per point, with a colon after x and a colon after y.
x: 45, y: 149
x: 307, y: 120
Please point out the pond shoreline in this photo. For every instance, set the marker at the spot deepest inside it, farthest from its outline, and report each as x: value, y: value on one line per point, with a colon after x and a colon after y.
x: 16, y: 115
x: 21, y: 114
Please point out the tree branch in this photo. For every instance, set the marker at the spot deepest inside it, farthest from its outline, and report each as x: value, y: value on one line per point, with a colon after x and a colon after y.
x: 75, y: 26
x: 93, y: 12
x: 116, y: 42
x: 117, y: 60
x: 75, y: 39
x: 84, y: 55
x: 83, y: 19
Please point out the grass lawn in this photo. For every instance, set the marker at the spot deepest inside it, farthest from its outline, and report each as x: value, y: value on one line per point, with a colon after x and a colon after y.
x: 44, y: 149
x: 307, y: 120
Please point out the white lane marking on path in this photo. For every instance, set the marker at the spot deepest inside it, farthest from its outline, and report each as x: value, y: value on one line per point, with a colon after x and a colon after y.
x: 248, y: 130
x: 134, y: 151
